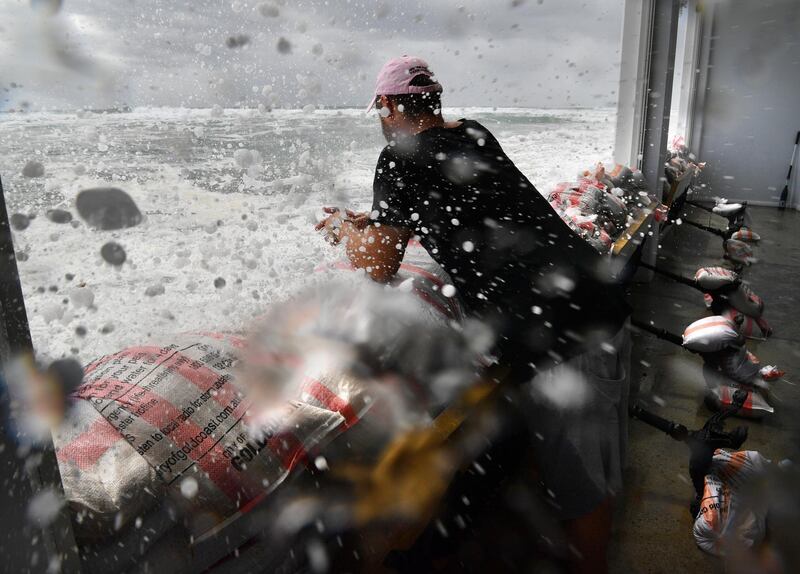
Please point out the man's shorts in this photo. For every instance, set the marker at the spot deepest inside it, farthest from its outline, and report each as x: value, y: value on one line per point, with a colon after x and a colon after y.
x: 579, y: 423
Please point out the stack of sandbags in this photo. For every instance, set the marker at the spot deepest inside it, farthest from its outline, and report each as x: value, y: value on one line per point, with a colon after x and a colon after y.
x: 160, y: 434
x: 600, y: 206
x: 729, y: 365
x: 624, y: 182
x: 578, y: 205
x: 680, y: 161
x: 727, y: 295
x: 162, y: 443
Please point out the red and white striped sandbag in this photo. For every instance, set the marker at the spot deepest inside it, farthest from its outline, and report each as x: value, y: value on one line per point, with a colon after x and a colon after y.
x: 103, y: 476
x: 594, y: 235
x: 599, y: 174
x: 661, y: 213
x: 746, y: 301
x: 589, y: 184
x: 727, y: 517
x: 711, y: 334
x: 727, y: 209
x: 740, y: 366
x: 739, y: 252
x: 747, y: 324
x: 149, y: 418
x: 587, y: 195
x: 615, y: 211
x: 747, y: 235
x: 564, y: 199
x: 713, y: 278
x: 771, y: 373
x: 755, y: 405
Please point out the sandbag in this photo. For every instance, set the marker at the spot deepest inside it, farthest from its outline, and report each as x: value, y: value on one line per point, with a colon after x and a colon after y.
x: 755, y: 405
x: 587, y: 195
x: 619, y: 175
x: 737, y: 295
x: 713, y: 278
x: 106, y: 482
x: 739, y: 252
x: 724, y: 518
x: 164, y: 430
x: 589, y: 209
x: 743, y: 299
x: 747, y: 235
x: 747, y: 324
x: 615, y: 212
x: 598, y: 174
x: 599, y: 206
x: 727, y: 209
x: 150, y: 418
x: 711, y: 334
x: 586, y: 228
x: 632, y: 183
x: 740, y: 366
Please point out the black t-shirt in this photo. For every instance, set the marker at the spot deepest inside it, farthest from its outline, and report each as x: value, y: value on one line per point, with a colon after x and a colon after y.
x: 514, y: 262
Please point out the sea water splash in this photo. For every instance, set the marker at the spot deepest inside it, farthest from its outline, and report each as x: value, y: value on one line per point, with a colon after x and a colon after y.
x: 221, y: 239
x: 374, y: 340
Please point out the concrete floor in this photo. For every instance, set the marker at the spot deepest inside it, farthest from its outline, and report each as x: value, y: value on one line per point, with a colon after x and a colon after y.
x: 653, y: 531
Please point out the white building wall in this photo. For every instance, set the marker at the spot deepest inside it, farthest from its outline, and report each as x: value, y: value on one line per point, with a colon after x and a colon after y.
x: 751, y: 109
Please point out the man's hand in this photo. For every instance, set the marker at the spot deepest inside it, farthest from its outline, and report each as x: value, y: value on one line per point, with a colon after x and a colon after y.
x: 359, y: 219
x: 330, y: 224
x: 333, y: 222
x: 378, y: 249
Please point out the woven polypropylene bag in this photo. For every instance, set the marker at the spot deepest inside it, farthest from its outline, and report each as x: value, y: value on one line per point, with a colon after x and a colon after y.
x: 727, y: 209
x: 121, y: 448
x: 116, y: 485
x: 755, y: 405
x: 746, y: 301
x: 614, y: 210
x: 726, y: 516
x: 586, y: 228
x: 739, y: 252
x: 739, y: 365
x: 747, y: 235
x: 711, y: 334
x: 149, y: 417
x: 585, y: 196
x: 713, y: 278
x: 749, y: 326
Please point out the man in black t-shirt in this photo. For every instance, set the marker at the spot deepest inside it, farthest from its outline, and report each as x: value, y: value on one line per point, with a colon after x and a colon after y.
x: 513, y: 262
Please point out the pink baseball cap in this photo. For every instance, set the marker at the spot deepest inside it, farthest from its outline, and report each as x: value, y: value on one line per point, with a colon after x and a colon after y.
x: 396, y: 75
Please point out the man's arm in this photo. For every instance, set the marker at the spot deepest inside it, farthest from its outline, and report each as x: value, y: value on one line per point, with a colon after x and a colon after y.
x: 371, y: 246
x: 377, y: 248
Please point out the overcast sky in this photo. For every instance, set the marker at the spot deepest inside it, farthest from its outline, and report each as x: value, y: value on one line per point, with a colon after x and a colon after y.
x: 284, y: 53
